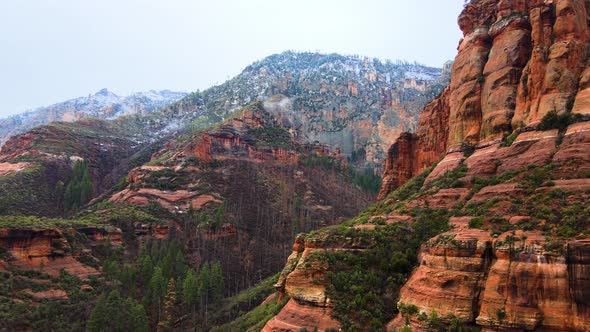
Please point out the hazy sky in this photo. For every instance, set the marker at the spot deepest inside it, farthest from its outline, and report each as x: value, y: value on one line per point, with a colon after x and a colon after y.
x: 53, y: 50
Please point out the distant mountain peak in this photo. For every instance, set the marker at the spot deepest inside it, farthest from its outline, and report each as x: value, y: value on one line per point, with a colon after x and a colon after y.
x: 104, y: 92
x: 104, y: 104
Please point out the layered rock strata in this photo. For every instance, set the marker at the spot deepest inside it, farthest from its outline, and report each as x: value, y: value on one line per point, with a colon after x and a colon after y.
x: 517, y: 62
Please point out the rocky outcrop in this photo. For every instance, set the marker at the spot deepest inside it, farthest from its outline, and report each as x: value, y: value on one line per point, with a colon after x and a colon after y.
x: 510, y: 282
x: 517, y: 62
x: 13, y: 168
x: 295, y: 317
x: 48, y: 295
x: 304, y: 280
x: 411, y: 154
x: 245, y: 136
x: 575, y: 146
x: 551, y: 77
x: 174, y: 201
x: 99, y: 235
x: 399, y: 165
x: 529, y: 58
x: 48, y: 250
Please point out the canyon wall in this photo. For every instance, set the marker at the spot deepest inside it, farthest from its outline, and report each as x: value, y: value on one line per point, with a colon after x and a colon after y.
x: 48, y: 250
x: 517, y: 62
x: 510, y: 141
x: 513, y: 281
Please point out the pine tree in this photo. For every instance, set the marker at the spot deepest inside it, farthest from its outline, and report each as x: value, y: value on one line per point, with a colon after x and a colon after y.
x: 155, y: 251
x: 218, y: 217
x: 167, y: 321
x: 158, y: 283
x: 59, y: 194
x: 79, y: 190
x: 191, y: 291
x: 138, y: 320
x: 98, y: 316
x: 179, y: 264
x: 116, y: 313
x: 110, y: 314
x: 166, y: 264
x: 204, y: 283
x: 111, y: 268
x: 85, y: 188
x: 128, y: 276
x: 204, y: 279
x: 157, y: 287
x: 216, y: 282
x: 146, y: 268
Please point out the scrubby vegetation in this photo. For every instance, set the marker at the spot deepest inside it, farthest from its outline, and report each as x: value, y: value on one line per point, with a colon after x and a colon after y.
x: 396, y: 199
x: 553, y: 120
x: 364, y: 285
x: 240, y: 304
x: 451, y: 179
x: 16, y: 313
x: 41, y: 222
x: 29, y: 192
x: 272, y: 135
x: 166, y: 179
x: 432, y: 321
x: 367, y: 179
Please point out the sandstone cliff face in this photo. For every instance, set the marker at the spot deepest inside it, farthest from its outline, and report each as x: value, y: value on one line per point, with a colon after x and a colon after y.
x: 509, y: 282
x: 48, y: 250
x: 305, y: 282
x: 516, y: 256
x: 413, y: 153
x: 517, y: 62
x: 516, y: 280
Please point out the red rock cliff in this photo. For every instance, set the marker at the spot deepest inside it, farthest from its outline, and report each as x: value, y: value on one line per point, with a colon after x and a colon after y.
x: 413, y: 153
x: 517, y: 61
x: 48, y: 249
x: 511, y: 282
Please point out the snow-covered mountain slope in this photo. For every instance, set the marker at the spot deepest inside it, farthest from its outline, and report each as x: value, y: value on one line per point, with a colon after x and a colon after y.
x: 355, y: 104
x: 103, y: 105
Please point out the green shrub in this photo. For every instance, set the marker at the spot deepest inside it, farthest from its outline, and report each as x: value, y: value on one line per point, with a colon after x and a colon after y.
x: 476, y: 222
x: 508, y: 140
x: 450, y: 179
x: 552, y: 120
x: 467, y: 148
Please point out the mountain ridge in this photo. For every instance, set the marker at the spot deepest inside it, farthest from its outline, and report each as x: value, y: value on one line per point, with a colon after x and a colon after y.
x: 103, y: 104
x: 347, y: 102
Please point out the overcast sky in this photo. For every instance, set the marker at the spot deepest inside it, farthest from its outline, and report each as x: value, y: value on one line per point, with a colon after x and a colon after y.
x: 54, y: 50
